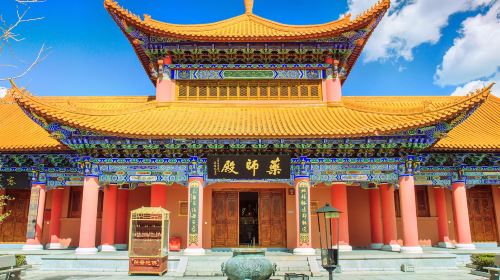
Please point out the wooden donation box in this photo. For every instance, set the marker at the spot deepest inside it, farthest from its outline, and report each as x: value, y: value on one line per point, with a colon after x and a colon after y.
x: 148, y: 244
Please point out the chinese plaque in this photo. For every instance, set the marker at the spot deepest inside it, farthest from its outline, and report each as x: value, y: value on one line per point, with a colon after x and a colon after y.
x: 303, y: 197
x: 248, y: 167
x: 15, y: 180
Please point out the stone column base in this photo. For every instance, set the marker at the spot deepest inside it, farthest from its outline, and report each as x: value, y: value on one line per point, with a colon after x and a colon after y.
x: 304, y: 251
x: 121, y: 246
x: 344, y: 248
x: 411, y: 250
x: 448, y: 245
x: 54, y: 246
x: 32, y: 247
x: 107, y: 248
x: 391, y: 247
x: 376, y: 246
x: 194, y: 252
x: 86, y: 251
x: 465, y: 246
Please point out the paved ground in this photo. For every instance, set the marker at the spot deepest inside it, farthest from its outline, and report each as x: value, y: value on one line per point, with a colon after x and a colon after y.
x: 455, y: 275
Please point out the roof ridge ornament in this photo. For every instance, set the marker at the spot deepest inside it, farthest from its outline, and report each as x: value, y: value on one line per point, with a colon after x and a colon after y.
x: 248, y: 7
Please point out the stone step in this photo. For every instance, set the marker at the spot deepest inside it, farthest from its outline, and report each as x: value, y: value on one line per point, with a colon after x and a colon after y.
x: 209, y: 265
x: 282, y: 273
x: 202, y: 273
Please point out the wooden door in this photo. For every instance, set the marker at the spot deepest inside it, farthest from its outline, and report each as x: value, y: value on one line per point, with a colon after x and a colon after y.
x: 13, y: 228
x: 481, y: 214
x: 225, y: 219
x: 272, y: 218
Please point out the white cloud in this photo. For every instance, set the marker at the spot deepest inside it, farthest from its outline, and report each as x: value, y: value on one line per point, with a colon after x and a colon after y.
x: 409, y: 25
x: 3, y: 92
x: 477, y: 84
x: 475, y: 54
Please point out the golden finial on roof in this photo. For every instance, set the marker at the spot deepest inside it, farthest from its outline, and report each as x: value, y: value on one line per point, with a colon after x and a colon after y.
x: 248, y: 6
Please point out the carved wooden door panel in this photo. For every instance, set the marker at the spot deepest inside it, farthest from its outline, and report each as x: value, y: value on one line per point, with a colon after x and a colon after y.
x: 264, y: 219
x: 278, y: 219
x: 225, y: 219
x: 232, y: 220
x: 218, y: 219
x: 13, y: 228
x: 481, y: 214
x: 272, y: 220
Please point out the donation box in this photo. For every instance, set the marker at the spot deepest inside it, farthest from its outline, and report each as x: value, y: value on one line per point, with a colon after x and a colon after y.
x: 148, y: 244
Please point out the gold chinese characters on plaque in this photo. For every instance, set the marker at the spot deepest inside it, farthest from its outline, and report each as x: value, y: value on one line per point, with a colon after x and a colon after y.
x: 248, y: 167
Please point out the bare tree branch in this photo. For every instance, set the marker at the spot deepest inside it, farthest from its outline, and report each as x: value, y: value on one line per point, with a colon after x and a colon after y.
x: 8, y: 31
x: 8, y: 34
x: 39, y: 58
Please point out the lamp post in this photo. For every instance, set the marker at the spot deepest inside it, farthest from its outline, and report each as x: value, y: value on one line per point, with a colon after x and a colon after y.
x: 329, y: 254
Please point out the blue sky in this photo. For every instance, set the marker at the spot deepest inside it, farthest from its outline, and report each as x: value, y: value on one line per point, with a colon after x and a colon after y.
x: 88, y: 54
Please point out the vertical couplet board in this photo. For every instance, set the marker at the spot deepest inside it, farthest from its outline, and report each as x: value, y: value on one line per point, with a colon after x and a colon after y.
x: 32, y: 213
x: 303, y: 197
x: 194, y: 202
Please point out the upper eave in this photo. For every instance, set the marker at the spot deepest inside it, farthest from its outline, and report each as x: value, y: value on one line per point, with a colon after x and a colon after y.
x: 143, y: 119
x: 248, y: 27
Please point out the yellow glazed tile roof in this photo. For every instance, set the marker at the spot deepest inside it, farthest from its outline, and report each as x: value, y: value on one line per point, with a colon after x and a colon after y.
x: 139, y: 117
x: 19, y: 133
x: 480, y: 131
x: 247, y: 27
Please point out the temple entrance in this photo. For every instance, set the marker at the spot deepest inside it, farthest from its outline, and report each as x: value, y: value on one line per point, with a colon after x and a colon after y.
x: 248, y: 217
x: 481, y: 214
x: 13, y: 228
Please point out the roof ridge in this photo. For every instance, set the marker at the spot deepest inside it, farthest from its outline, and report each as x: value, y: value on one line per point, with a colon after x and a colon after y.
x: 25, y: 98
x: 479, y: 95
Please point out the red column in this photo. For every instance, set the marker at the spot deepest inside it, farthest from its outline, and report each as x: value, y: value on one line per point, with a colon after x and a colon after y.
x: 55, y: 219
x: 444, y: 235
x: 159, y: 195
x: 88, y: 222
x: 303, y: 207
x: 389, y: 218
x: 165, y: 86
x: 409, y: 215
x: 376, y: 219
x: 461, y: 213
x: 195, y: 216
x: 339, y: 201
x: 109, y: 219
x: 121, y: 232
x: 35, y: 244
x: 333, y: 84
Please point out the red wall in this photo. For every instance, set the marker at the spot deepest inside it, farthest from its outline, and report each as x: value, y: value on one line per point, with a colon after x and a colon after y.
x: 358, y: 207
x: 178, y: 224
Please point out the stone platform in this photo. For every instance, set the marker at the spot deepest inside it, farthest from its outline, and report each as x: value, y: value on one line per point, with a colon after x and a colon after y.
x: 209, y: 265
